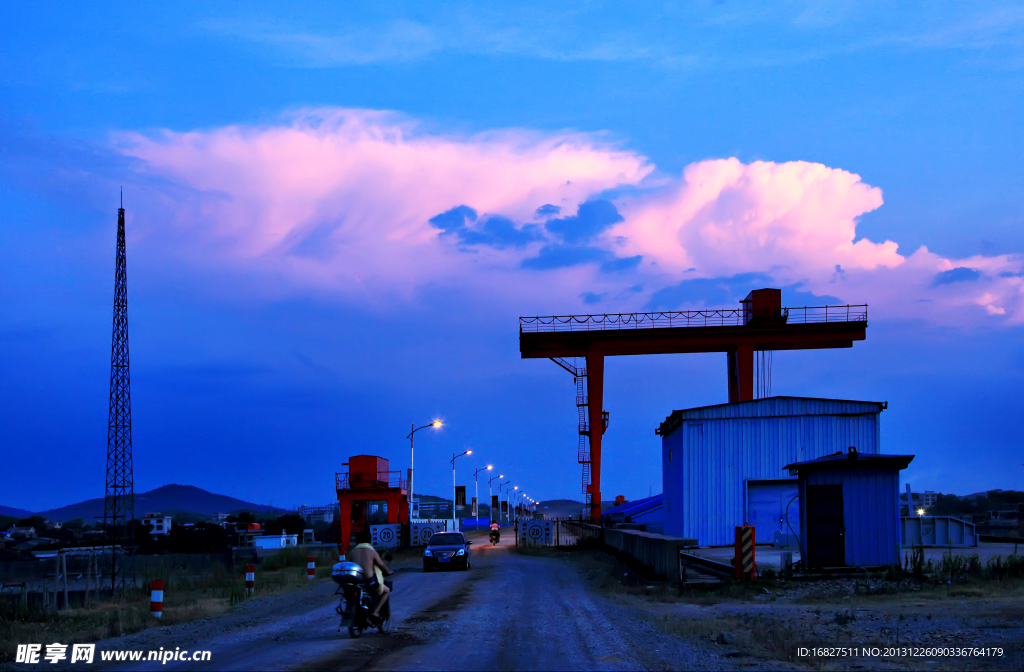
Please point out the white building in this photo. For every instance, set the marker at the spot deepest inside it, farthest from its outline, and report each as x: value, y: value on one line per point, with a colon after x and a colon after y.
x: 272, y: 541
x: 319, y: 514
x: 161, y: 523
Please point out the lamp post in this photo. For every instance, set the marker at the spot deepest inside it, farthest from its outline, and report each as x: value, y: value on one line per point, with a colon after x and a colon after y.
x: 515, y: 493
x: 500, y: 486
x: 454, y: 487
x: 476, y: 478
x: 412, y: 459
x: 490, y: 497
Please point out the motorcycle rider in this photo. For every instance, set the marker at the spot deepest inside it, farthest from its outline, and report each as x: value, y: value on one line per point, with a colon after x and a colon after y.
x: 366, y: 557
x: 495, y: 530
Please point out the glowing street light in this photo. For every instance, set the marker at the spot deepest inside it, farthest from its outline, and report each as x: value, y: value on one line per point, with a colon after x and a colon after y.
x: 477, y: 479
x: 490, y: 496
x: 412, y: 459
x: 455, y: 487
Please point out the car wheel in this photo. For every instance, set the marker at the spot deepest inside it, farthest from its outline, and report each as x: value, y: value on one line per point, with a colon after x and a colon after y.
x: 426, y: 569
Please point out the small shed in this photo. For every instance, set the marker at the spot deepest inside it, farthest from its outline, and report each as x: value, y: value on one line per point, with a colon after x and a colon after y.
x: 850, y: 509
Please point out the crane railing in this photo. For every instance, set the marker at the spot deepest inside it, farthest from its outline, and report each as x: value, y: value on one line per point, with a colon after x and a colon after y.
x: 690, y: 318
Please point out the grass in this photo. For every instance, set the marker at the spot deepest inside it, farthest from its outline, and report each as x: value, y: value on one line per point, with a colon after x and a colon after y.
x: 190, y: 593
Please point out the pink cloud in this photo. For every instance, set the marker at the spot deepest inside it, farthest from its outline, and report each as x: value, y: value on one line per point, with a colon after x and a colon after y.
x: 344, y: 196
x: 340, y: 201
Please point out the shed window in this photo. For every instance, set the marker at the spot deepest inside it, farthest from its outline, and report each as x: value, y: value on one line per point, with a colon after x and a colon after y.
x: 669, y: 454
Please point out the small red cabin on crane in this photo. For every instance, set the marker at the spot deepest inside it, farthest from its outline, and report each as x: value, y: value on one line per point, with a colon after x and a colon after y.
x: 369, y: 494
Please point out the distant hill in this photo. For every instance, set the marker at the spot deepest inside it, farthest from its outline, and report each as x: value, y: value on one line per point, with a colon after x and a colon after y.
x: 13, y: 512
x: 179, y: 498
x: 565, y: 508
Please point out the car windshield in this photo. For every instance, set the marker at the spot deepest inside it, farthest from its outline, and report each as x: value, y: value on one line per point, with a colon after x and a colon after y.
x: 450, y: 538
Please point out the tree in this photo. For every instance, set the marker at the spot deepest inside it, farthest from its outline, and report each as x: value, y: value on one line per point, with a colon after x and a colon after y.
x: 290, y: 522
x: 37, y: 522
x: 198, y: 538
x: 242, y: 518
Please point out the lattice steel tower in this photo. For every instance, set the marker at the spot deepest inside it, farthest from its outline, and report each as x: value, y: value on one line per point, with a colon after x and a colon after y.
x: 119, y: 498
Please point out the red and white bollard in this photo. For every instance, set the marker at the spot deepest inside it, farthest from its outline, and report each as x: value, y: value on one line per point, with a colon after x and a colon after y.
x: 310, y: 567
x: 156, y: 599
x: 250, y: 579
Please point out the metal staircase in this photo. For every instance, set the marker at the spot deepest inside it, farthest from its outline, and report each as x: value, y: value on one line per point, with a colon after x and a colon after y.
x: 582, y: 411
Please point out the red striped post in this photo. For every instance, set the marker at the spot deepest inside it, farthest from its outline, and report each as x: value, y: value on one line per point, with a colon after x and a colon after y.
x: 310, y: 567
x: 250, y: 579
x: 156, y: 598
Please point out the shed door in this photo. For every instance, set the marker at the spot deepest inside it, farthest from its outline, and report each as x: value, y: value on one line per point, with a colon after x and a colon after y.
x: 766, y: 508
x: 826, y: 533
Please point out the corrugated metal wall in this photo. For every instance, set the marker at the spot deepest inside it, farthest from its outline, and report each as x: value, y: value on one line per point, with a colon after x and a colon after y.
x: 871, y: 513
x: 707, y: 459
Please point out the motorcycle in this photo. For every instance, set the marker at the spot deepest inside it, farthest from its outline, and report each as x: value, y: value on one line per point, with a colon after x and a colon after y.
x: 358, y: 598
x: 495, y: 537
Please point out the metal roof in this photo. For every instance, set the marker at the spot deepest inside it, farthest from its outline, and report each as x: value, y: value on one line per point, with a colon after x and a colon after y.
x: 772, y: 407
x: 635, y: 507
x: 852, y: 459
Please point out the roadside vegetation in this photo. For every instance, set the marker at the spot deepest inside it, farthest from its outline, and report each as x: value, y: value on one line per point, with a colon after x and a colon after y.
x: 189, y: 594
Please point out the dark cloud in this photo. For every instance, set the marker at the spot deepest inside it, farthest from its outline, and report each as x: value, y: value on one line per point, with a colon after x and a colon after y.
x: 716, y: 292
x: 547, y: 210
x: 590, y: 219
x: 958, y: 274
x: 494, y: 230
x: 727, y: 292
x: 454, y: 220
x: 621, y: 265
x: 591, y: 298
x: 560, y: 256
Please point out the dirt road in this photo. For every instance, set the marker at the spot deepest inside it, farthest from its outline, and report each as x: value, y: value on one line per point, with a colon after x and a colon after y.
x: 510, y: 611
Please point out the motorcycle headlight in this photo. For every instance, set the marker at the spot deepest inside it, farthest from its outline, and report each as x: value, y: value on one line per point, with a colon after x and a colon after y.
x: 462, y: 551
x: 427, y: 554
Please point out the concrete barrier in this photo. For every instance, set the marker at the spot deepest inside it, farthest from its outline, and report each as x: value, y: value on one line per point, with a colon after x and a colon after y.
x: 657, y: 553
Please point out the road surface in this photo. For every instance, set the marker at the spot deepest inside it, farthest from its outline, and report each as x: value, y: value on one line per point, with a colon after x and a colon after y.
x: 509, y: 612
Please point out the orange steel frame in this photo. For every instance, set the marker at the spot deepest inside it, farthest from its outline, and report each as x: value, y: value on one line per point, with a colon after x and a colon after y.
x: 369, y: 480
x: 738, y: 341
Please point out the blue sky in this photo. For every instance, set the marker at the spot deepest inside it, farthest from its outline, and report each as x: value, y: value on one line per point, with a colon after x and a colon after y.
x: 336, y: 216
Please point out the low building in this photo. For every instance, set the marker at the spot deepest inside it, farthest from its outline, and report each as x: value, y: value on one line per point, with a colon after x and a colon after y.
x: 722, y: 465
x: 319, y: 514
x: 22, y: 533
x: 645, y: 514
x: 274, y: 541
x: 849, y: 506
x: 248, y: 534
x: 161, y: 523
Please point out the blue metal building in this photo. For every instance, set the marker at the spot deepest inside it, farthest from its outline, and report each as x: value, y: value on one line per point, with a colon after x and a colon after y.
x: 850, y: 506
x: 722, y: 465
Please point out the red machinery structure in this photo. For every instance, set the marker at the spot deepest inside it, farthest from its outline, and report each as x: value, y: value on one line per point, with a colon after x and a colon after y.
x: 748, y: 335
x: 369, y: 493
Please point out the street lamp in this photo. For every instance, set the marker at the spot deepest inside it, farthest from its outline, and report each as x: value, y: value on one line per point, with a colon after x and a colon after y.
x: 500, y: 486
x: 454, y: 487
x: 920, y: 512
x: 515, y: 492
x: 490, y: 496
x: 477, y: 479
x: 412, y: 459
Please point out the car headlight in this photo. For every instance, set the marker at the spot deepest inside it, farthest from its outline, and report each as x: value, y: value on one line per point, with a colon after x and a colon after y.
x: 462, y: 551
x: 427, y: 554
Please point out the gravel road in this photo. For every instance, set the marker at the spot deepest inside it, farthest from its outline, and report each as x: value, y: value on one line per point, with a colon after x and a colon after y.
x: 509, y: 612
